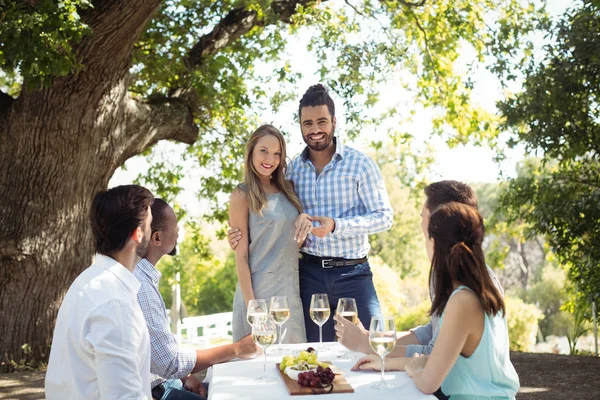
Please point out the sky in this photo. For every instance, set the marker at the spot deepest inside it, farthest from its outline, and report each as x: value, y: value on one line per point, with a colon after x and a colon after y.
x: 467, y: 163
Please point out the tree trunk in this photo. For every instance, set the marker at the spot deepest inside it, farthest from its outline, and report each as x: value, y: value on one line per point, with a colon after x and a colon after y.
x: 61, y: 144
x: 58, y: 147
x: 51, y: 167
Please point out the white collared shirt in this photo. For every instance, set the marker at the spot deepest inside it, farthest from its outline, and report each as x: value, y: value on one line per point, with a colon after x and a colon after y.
x: 100, y: 348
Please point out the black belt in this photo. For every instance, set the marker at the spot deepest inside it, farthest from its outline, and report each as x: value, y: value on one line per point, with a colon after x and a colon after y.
x: 331, y: 262
x: 158, y: 391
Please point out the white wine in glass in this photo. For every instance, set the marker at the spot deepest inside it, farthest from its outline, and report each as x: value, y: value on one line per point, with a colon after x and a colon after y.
x: 264, y: 335
x: 280, y: 316
x: 382, y: 345
x: 280, y: 313
x: 350, y: 316
x: 264, y: 339
x: 257, y: 308
x: 320, y: 315
x: 382, y: 337
x: 347, y: 309
x: 320, y: 311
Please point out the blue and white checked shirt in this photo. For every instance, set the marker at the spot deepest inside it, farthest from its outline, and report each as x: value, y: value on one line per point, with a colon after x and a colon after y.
x: 350, y: 189
x: 167, y: 359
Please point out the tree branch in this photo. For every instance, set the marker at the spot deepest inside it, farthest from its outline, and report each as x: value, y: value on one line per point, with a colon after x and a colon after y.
x: 116, y: 26
x: 149, y: 121
x: 409, y: 4
x: 236, y: 23
x: 424, y: 32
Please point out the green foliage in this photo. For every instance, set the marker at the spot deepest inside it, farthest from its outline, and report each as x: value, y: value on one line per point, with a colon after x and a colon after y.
x: 412, y: 317
x: 559, y: 200
x: 557, y: 111
x: 38, y: 39
x: 207, y: 284
x: 578, y: 329
x: 557, y: 114
x: 498, y: 232
x: 163, y: 178
x: 549, y: 294
x: 359, y: 47
x: 522, y: 320
x: 406, y: 299
x: 10, y: 83
x: 27, y: 364
x: 402, y: 247
x: 217, y: 290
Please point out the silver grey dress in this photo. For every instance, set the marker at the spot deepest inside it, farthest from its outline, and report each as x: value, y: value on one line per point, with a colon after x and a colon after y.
x: 273, y: 259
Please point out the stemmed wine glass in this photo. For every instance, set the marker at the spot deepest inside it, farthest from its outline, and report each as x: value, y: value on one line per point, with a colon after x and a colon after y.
x: 280, y: 313
x: 257, y: 308
x: 346, y: 308
x: 320, y: 312
x: 382, y: 337
x: 264, y: 334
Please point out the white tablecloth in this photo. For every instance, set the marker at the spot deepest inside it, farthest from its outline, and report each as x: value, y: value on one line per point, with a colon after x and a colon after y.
x: 236, y: 379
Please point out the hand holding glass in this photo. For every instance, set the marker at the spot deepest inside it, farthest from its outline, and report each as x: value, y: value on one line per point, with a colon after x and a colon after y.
x: 382, y: 337
x: 346, y: 308
x: 264, y: 335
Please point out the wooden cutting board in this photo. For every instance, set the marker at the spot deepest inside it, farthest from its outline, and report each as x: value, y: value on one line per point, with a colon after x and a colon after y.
x: 340, y: 385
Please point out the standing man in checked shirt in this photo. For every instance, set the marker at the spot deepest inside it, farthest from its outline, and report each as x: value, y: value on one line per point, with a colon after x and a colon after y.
x: 168, y: 360
x: 345, y: 200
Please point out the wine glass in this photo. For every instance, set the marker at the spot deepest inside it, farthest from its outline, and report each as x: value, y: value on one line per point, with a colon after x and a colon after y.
x: 382, y: 337
x: 320, y: 312
x: 280, y: 313
x: 257, y: 308
x: 264, y: 334
x: 346, y: 308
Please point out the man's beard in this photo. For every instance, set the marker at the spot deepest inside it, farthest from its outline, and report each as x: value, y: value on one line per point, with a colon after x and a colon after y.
x: 143, y: 247
x: 324, y: 145
x: 173, y: 252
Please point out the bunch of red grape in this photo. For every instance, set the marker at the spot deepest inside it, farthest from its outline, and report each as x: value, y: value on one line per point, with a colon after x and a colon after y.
x: 321, y: 378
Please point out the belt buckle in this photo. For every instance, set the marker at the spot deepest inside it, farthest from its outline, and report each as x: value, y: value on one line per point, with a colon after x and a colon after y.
x: 324, y: 260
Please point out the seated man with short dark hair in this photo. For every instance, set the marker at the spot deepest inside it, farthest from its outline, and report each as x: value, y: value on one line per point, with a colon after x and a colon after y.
x: 172, y: 364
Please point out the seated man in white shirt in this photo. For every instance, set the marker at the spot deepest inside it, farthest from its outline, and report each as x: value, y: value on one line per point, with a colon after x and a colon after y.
x: 101, y: 348
x: 172, y: 364
x: 419, y: 340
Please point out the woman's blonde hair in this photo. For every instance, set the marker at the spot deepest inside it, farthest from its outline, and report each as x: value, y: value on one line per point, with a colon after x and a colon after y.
x: 256, y: 196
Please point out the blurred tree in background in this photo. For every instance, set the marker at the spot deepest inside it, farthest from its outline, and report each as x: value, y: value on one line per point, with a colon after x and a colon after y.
x: 557, y: 116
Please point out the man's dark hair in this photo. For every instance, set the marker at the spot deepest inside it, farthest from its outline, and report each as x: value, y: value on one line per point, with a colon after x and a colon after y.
x: 316, y: 95
x: 158, y: 214
x: 443, y: 192
x: 116, y: 213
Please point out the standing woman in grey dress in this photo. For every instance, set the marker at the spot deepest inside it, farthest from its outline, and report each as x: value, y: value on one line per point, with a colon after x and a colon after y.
x: 264, y: 208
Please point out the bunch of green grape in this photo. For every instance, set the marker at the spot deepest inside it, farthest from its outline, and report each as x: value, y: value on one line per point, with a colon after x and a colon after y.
x: 307, y: 359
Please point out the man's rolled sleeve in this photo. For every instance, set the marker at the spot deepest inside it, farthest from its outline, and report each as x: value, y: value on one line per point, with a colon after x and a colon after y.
x: 424, y: 333
x: 424, y: 349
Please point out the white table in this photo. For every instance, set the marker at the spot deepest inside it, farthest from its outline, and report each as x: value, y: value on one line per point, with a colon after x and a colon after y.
x: 235, y: 379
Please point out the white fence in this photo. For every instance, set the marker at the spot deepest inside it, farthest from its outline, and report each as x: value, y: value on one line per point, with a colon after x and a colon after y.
x: 201, y: 330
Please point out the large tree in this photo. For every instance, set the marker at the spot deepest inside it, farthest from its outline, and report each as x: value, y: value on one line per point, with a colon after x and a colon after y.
x: 89, y: 84
x: 557, y: 116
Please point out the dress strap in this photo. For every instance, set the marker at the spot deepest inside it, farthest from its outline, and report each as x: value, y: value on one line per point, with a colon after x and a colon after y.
x: 461, y: 287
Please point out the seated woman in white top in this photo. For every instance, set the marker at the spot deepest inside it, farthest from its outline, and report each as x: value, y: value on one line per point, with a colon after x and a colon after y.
x: 470, y: 359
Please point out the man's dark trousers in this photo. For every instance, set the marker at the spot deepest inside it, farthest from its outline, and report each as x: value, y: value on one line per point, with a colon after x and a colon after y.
x: 337, y: 282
